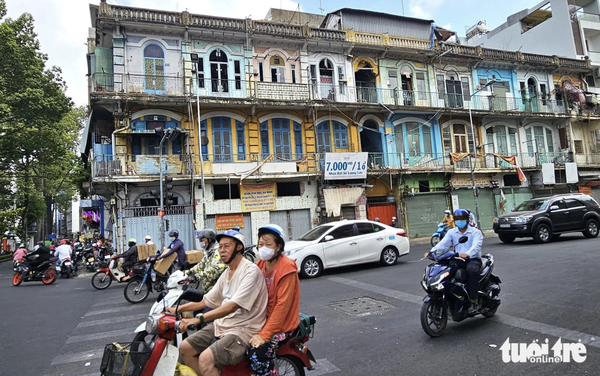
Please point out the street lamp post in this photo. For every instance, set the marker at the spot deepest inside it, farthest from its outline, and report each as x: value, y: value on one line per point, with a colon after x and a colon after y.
x: 194, y: 58
x: 474, y: 187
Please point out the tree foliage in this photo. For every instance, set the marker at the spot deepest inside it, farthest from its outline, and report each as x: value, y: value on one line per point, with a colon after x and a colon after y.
x: 39, y: 128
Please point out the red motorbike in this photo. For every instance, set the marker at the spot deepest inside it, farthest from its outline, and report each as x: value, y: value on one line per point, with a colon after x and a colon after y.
x: 107, y: 273
x: 162, y: 353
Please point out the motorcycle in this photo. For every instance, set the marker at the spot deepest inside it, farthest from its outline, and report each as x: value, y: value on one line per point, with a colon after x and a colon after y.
x: 97, y: 257
x: 438, y: 234
x: 291, y: 358
x: 44, y: 272
x: 78, y: 262
x: 445, y: 282
x: 65, y: 269
x: 89, y: 258
x: 107, y: 273
x: 143, y: 281
x: 249, y: 253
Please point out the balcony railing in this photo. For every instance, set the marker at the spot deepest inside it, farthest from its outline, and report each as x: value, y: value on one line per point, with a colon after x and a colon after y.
x: 592, y: 159
x: 237, y: 88
x: 591, y: 17
x: 139, y: 165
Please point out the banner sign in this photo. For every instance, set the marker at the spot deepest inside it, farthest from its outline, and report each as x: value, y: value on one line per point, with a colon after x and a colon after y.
x: 258, y: 197
x: 229, y: 221
x: 345, y: 166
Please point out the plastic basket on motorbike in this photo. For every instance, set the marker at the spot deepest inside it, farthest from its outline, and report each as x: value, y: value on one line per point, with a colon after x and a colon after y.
x: 124, y: 359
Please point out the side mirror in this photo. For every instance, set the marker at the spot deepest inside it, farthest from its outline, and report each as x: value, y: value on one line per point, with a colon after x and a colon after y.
x: 463, y: 239
x: 328, y: 238
x: 192, y: 296
x: 554, y: 207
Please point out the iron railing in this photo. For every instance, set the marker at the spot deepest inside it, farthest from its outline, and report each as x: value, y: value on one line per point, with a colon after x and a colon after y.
x: 139, y: 165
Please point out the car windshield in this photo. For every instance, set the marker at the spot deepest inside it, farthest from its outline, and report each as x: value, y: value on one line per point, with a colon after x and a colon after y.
x: 315, y: 233
x: 532, y: 205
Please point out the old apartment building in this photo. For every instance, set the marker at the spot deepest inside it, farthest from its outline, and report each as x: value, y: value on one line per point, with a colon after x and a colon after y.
x: 307, y: 119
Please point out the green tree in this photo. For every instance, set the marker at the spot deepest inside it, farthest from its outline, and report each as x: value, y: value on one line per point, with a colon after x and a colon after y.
x: 39, y: 127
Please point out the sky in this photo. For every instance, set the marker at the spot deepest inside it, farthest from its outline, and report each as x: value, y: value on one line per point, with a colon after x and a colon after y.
x: 62, y: 25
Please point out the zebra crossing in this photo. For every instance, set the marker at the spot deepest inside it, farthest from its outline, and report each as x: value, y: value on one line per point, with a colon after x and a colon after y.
x: 111, y: 320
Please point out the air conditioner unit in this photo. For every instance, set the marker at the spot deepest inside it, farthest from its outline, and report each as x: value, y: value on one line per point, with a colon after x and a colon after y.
x: 597, y: 72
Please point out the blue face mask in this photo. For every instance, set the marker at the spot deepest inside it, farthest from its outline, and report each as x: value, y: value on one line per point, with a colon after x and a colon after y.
x: 461, y: 224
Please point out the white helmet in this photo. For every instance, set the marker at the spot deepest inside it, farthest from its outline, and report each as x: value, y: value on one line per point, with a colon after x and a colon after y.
x: 447, y: 211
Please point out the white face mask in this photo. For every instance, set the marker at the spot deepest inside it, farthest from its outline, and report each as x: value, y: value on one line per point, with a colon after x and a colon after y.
x: 202, y: 246
x: 172, y: 238
x: 266, y: 253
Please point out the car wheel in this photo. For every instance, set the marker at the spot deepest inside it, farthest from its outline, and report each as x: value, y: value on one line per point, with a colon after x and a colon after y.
x: 311, y: 267
x: 543, y: 234
x: 506, y: 238
x: 389, y: 256
x: 591, y: 229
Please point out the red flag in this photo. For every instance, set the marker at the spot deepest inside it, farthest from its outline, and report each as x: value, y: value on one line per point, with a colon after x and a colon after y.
x: 522, y: 177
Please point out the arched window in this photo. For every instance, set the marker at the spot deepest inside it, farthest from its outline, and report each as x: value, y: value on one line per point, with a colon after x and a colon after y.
x: 154, y: 71
x: 218, y: 71
x: 324, y: 132
x: 221, y: 130
x: 277, y: 69
x: 413, y: 140
x: 539, y: 140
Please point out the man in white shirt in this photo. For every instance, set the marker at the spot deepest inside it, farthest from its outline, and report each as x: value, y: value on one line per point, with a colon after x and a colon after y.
x: 63, y: 251
x: 239, y: 308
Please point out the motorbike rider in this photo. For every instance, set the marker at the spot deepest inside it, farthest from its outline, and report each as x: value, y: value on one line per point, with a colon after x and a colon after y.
x: 239, y: 306
x: 448, y: 219
x: 176, y: 246
x: 210, y: 268
x: 472, y: 221
x: 43, y: 254
x: 470, y: 251
x: 130, y: 256
x: 20, y: 253
x: 377, y: 219
x: 283, y: 309
x: 394, y: 222
x: 63, y: 251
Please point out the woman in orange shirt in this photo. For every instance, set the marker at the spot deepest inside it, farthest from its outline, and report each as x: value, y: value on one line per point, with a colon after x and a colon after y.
x: 283, y: 307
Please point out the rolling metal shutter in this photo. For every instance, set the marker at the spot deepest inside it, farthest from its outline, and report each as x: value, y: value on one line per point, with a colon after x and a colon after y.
x: 485, y: 201
x: 424, y: 212
x: 295, y: 222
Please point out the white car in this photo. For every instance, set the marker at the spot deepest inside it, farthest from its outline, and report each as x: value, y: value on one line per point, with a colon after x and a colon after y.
x: 347, y: 242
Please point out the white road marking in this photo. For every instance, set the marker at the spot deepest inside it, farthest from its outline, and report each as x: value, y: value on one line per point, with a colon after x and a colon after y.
x: 141, y: 317
x: 95, y: 336
x: 322, y: 367
x: 77, y: 357
x: 551, y: 330
x: 115, y: 310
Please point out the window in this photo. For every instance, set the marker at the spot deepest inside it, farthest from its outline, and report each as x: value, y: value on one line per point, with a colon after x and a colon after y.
x: 241, y: 141
x: 364, y: 228
x: 154, y: 62
x: 424, y: 186
x: 203, y: 139
x: 341, y: 232
x: 288, y: 189
x: 540, y: 140
x: 461, y: 142
x: 218, y: 72
x: 441, y: 87
x: 221, y: 129
x: 465, y: 88
x: 201, y: 73
x: 282, y: 138
x: 482, y: 83
x: 264, y: 139
x: 261, y: 76
x: 323, y: 138
x: 238, y: 74
x: 340, y: 135
x: 298, y: 140
x: 511, y: 180
x: 413, y: 135
x: 572, y: 203
x: 543, y: 94
x: 277, y: 69
x: 226, y: 191
x: 536, y: 17
x: 421, y: 87
x: 293, y: 72
x: 578, y: 146
x: 590, y: 80
x: 378, y: 228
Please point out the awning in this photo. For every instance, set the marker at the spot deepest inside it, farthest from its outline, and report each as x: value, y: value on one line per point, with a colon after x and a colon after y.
x: 589, y: 175
x: 336, y: 197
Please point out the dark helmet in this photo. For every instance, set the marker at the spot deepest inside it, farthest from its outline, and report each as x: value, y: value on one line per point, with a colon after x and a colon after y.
x: 461, y: 214
x: 208, y: 233
x: 174, y: 233
x: 41, y: 243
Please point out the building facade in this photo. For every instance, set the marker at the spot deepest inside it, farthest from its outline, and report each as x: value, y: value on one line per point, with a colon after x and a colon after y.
x: 260, y: 106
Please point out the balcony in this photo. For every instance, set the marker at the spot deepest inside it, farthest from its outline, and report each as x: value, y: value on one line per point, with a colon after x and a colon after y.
x: 443, y: 162
x: 591, y: 160
x: 227, y: 164
x: 107, y: 166
x: 137, y: 84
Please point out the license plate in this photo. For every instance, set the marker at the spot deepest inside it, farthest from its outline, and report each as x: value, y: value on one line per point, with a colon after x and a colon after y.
x: 506, y: 225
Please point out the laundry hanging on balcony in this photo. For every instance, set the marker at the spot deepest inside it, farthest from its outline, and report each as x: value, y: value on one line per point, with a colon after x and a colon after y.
x: 513, y: 161
x: 458, y: 156
x: 336, y: 197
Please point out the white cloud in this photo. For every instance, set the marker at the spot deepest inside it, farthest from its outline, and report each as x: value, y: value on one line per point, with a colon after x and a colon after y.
x: 424, y: 8
x: 62, y: 27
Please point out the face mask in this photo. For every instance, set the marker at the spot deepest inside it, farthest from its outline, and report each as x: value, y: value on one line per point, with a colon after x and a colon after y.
x: 172, y: 238
x: 461, y: 224
x: 266, y: 253
x: 202, y: 246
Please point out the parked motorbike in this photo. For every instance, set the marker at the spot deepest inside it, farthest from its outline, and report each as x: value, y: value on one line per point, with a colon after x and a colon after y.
x: 438, y: 234
x: 445, y: 282
x: 96, y: 257
x: 78, y: 262
x: 249, y: 253
x: 143, y: 281
x: 292, y: 357
x: 89, y: 258
x: 65, y: 269
x: 44, y: 272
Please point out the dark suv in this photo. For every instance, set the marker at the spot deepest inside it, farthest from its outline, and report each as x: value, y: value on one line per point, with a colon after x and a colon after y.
x: 546, y: 218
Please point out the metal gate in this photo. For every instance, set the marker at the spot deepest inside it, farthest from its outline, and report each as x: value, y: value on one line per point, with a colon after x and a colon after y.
x: 295, y: 222
x: 382, y: 210
x: 140, y: 226
x: 596, y: 194
x: 423, y: 213
x: 485, y: 201
x: 246, y: 230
